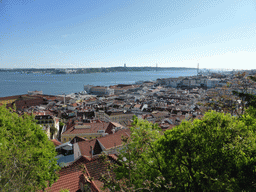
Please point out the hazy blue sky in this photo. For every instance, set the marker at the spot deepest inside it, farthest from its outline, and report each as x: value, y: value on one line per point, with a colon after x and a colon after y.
x: 106, y: 33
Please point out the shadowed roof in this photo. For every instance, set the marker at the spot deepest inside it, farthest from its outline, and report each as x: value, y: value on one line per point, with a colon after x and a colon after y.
x: 71, y: 176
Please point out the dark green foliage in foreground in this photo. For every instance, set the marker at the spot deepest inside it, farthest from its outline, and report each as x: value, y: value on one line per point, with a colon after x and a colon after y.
x: 27, y: 157
x: 217, y: 153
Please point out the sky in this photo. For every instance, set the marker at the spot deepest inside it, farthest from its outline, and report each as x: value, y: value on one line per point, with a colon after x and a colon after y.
x: 109, y: 33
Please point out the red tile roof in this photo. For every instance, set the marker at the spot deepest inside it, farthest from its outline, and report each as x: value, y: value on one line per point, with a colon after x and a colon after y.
x: 71, y: 176
x: 108, y: 142
x: 56, y: 142
x: 85, y: 147
x: 69, y: 124
x: 111, y: 126
x: 115, y: 139
x: 77, y: 139
x: 91, y: 128
x: 137, y: 106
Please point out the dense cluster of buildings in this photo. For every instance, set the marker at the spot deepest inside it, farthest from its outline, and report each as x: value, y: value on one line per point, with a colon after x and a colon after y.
x: 83, y: 126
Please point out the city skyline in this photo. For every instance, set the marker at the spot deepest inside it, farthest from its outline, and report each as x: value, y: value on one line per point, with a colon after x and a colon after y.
x: 88, y: 34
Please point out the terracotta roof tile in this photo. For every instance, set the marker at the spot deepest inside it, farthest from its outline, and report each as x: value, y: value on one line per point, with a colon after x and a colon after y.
x: 108, y: 142
x: 56, y: 142
x: 137, y: 106
x: 87, y: 128
x: 85, y: 147
x: 113, y: 140
x: 71, y: 176
x: 77, y: 139
x: 111, y: 126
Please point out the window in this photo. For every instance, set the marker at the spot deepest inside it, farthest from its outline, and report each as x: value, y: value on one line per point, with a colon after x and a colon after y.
x: 64, y: 139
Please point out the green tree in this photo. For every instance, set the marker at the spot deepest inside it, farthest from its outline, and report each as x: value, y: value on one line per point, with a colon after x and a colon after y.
x: 216, y: 153
x: 61, y: 124
x: 53, y: 131
x: 27, y: 157
x: 138, y: 164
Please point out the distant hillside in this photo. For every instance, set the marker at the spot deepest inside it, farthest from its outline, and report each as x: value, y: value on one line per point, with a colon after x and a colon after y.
x: 92, y: 70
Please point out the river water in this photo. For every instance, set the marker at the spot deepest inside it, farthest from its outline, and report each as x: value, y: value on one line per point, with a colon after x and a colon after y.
x: 14, y: 83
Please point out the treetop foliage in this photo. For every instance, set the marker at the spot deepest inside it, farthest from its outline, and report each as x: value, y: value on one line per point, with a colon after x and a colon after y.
x: 27, y: 157
x: 216, y: 153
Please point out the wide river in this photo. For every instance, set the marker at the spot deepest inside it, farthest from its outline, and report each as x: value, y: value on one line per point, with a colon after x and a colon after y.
x: 13, y: 83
